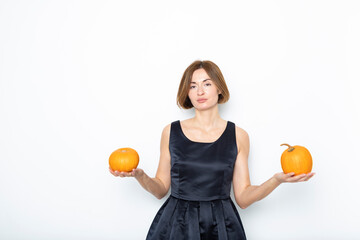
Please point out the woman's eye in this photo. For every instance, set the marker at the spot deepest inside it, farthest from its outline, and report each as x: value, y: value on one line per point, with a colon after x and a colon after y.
x: 208, y: 84
x: 192, y: 87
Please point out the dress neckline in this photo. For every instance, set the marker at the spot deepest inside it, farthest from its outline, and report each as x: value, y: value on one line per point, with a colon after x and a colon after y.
x: 183, y: 134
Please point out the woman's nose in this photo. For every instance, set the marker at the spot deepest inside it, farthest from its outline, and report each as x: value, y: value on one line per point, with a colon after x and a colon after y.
x: 200, y: 90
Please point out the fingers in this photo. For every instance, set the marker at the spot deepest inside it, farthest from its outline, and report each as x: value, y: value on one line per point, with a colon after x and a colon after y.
x: 112, y: 172
x: 125, y: 174
x: 122, y: 174
x: 290, y: 174
x: 299, y: 178
x: 308, y: 176
x: 293, y: 178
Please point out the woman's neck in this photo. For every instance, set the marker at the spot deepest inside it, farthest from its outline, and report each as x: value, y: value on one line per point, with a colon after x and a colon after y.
x: 207, y: 119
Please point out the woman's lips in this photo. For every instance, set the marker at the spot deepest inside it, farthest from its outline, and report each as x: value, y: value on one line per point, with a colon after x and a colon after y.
x: 201, y: 100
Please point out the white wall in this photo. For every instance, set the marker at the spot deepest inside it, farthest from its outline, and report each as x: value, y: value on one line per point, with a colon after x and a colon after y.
x: 79, y: 79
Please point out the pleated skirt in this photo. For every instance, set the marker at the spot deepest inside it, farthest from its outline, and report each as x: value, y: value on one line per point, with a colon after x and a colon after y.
x: 179, y: 219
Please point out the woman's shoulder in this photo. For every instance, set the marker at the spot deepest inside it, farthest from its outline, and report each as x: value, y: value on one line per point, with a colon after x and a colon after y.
x: 242, y: 137
x: 240, y: 132
x: 167, y: 128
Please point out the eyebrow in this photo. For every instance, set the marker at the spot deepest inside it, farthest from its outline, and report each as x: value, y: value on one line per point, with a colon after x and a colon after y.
x: 203, y: 80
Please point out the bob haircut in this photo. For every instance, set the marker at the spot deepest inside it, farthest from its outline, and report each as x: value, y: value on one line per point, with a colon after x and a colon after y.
x: 215, y: 75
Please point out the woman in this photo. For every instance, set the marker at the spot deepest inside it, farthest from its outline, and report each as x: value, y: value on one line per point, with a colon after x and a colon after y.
x: 200, y: 157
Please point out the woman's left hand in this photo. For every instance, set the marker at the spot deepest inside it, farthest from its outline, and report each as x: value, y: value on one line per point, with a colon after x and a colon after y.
x: 290, y: 177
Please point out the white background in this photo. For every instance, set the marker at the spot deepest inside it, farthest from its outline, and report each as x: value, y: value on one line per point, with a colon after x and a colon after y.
x: 79, y: 79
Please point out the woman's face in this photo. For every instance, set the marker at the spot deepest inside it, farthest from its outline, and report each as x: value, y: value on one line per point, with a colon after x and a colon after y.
x: 203, y: 92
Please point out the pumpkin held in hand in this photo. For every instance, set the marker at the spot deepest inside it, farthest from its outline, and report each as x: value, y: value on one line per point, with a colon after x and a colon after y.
x: 296, y: 159
x: 124, y: 160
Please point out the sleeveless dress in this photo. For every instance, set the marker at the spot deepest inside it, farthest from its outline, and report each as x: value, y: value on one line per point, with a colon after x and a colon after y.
x: 199, y: 207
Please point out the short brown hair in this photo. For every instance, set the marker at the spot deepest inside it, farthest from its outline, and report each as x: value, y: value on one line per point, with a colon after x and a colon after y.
x: 215, y: 75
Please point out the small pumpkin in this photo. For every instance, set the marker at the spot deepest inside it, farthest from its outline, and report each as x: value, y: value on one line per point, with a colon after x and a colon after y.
x: 124, y: 160
x: 296, y: 159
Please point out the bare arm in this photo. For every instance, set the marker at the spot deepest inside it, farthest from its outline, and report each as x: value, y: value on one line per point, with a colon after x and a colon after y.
x: 153, y: 185
x: 160, y: 184
x: 245, y: 193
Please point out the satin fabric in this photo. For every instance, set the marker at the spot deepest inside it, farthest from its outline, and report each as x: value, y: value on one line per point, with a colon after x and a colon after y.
x: 199, y: 206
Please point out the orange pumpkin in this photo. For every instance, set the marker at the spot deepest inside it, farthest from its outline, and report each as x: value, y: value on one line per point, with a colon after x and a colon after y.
x: 124, y: 160
x: 296, y: 159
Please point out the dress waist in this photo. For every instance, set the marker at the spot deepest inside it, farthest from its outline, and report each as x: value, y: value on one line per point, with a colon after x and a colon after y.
x: 199, y: 199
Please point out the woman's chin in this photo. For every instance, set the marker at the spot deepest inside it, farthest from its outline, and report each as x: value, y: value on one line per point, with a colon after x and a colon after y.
x: 204, y: 107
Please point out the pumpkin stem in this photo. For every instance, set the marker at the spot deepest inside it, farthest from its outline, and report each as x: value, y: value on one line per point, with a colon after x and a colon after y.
x: 290, y: 149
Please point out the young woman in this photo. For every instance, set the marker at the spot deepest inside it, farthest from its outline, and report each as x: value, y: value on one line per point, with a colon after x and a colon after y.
x: 199, y: 158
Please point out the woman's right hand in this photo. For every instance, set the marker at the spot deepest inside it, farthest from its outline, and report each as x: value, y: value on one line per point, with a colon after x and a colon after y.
x: 290, y: 177
x: 136, y: 172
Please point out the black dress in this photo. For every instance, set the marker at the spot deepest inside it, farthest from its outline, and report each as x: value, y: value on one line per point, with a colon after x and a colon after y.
x: 199, y: 206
